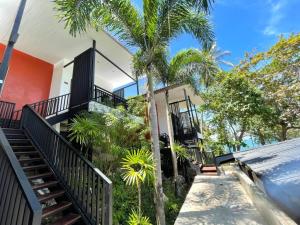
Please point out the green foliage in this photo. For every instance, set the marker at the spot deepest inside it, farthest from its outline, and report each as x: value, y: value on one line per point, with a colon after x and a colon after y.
x: 259, y: 97
x: 84, y: 131
x: 180, y: 151
x: 233, y: 102
x: 150, y: 31
x: 136, y: 219
x: 137, y: 166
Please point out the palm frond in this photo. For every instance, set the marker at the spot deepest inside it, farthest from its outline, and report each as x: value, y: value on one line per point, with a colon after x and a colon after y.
x: 76, y: 14
x: 181, y: 18
x: 204, y: 5
x: 137, y: 166
x: 122, y: 19
x: 150, y: 20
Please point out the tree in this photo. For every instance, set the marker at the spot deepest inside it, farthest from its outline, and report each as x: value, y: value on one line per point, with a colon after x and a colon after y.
x: 149, y: 31
x: 233, y: 102
x: 190, y: 67
x: 276, y: 73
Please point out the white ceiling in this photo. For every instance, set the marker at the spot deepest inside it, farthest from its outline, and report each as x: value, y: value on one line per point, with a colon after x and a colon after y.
x: 42, y: 36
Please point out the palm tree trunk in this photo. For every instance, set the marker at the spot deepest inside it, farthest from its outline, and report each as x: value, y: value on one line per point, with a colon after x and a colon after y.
x: 159, y: 202
x: 172, y: 142
x: 140, y: 199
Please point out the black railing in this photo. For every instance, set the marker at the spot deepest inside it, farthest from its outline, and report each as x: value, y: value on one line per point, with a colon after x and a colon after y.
x: 6, y: 112
x: 15, y: 119
x: 90, y: 190
x: 52, y: 106
x: 18, y: 202
x: 107, y: 98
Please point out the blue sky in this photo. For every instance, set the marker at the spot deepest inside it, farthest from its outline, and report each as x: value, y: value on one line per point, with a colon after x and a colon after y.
x: 246, y: 25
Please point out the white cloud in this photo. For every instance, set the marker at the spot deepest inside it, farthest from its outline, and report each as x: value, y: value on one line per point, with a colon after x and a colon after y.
x: 276, y: 15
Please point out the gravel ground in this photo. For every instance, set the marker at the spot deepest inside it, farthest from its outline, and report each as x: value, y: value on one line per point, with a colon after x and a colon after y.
x: 217, y: 200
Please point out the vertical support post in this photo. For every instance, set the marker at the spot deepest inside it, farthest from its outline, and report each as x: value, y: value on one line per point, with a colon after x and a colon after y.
x: 94, y: 68
x: 187, y: 105
x: 193, y: 119
x: 137, y: 85
x: 107, y: 203
x: 11, y: 42
x: 196, y: 115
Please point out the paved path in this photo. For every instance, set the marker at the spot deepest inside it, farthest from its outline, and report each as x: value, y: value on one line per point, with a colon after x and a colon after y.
x: 217, y: 200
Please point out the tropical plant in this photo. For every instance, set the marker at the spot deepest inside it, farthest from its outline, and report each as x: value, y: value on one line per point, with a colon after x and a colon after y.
x: 137, y: 166
x: 190, y: 67
x: 136, y: 219
x: 85, y: 132
x: 150, y: 31
x: 181, y: 152
x: 218, y: 55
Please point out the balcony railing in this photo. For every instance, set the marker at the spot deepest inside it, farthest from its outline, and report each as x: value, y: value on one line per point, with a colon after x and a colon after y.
x: 107, y: 98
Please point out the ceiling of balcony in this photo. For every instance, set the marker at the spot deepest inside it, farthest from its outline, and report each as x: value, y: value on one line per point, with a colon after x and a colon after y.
x: 44, y: 37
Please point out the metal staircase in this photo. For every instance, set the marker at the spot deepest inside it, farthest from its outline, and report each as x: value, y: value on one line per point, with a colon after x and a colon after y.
x: 54, y: 182
x: 58, y: 209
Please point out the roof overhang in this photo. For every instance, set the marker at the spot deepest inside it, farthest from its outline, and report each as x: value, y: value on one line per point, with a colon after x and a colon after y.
x: 176, y: 94
x: 44, y: 37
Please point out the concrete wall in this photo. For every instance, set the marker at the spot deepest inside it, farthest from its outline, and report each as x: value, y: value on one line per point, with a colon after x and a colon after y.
x: 271, y: 214
x: 28, y: 79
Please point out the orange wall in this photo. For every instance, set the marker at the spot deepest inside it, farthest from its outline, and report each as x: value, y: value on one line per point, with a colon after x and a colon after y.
x: 28, y: 79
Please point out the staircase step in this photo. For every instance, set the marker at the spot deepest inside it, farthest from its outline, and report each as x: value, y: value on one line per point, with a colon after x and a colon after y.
x: 52, y: 195
x: 30, y: 160
x: 68, y: 219
x: 15, y: 136
x: 27, y: 153
x: 41, y: 166
x: 45, y: 185
x: 39, y: 176
x: 210, y: 174
x: 209, y: 169
x: 20, y: 147
x: 12, y: 131
x: 19, y: 141
x: 52, y: 210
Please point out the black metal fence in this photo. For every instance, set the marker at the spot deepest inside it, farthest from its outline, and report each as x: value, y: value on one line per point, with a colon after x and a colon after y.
x: 90, y: 189
x: 18, y: 203
x: 52, y: 106
x: 6, y: 112
x: 107, y: 98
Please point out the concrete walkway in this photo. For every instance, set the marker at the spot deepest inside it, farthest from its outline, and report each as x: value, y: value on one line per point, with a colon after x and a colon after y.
x: 217, y: 200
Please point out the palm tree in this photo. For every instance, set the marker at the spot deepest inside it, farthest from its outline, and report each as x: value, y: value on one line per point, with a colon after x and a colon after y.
x: 149, y: 31
x: 191, y: 67
x: 218, y: 55
x: 137, y: 166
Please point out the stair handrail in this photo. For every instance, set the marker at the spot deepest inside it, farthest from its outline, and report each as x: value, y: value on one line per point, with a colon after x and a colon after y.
x: 18, y: 202
x: 6, y: 112
x: 71, y: 168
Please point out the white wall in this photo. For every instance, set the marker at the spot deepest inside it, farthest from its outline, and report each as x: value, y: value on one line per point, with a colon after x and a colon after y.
x: 61, y: 79
x: 161, y: 113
